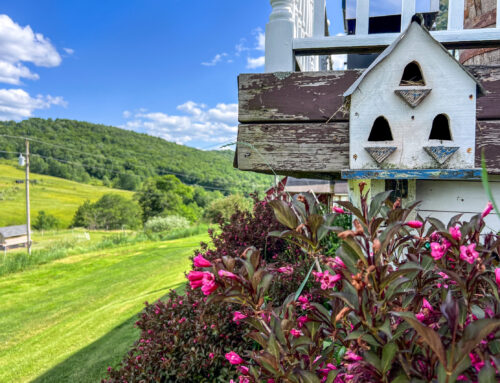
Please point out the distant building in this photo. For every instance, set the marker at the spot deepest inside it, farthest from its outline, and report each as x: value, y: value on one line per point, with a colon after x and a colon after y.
x: 326, y: 191
x: 13, y: 236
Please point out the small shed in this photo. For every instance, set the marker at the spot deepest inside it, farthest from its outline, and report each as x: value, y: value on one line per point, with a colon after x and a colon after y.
x: 11, y: 236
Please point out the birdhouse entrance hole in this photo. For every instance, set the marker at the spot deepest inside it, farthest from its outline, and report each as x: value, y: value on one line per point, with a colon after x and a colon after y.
x: 412, y: 75
x: 441, y: 128
x: 381, y: 131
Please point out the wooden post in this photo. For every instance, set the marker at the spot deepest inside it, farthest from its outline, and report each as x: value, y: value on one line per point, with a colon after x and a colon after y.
x: 279, y: 37
x: 28, y: 219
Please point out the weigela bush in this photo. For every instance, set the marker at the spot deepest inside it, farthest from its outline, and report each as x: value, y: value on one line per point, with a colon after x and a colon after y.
x: 403, y: 300
x: 183, y: 339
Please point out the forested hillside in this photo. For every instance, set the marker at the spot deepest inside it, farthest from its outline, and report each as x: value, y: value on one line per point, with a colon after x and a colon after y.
x: 83, y: 151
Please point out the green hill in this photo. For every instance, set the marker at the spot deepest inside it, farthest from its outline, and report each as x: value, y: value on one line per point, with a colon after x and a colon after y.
x: 56, y: 196
x: 82, y: 151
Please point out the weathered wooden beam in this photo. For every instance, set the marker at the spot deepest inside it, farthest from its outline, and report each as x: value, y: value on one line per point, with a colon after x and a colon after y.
x: 320, y: 150
x: 318, y: 96
x: 294, y: 149
x: 488, y: 140
x: 292, y: 97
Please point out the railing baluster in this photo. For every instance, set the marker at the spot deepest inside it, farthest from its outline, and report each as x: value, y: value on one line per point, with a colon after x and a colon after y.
x: 456, y: 15
x: 407, y: 12
x: 362, y: 16
x: 319, y: 18
x: 498, y: 14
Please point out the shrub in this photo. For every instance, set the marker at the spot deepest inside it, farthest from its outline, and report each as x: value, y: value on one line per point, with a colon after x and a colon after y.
x: 111, y: 212
x: 223, y: 209
x: 164, y: 224
x: 45, y: 221
x: 175, y: 349
x: 403, y: 300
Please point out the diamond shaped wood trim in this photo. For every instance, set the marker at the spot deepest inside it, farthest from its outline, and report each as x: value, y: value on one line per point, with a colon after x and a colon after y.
x: 380, y: 154
x: 413, y: 97
x: 441, y: 153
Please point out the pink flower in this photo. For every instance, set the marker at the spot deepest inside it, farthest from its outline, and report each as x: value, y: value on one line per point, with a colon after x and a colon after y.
x: 437, y: 250
x: 182, y: 320
x: 287, y: 270
x: 196, y: 278
x: 497, y: 276
x: 338, y: 210
x: 469, y: 253
x: 295, y: 333
x: 233, y: 358
x: 476, y: 362
x: 211, y: 355
x: 414, y: 224
x: 426, y: 305
x: 304, y: 301
x: 302, y: 321
x: 326, y: 279
x: 487, y: 209
x: 237, y: 317
x: 352, y: 356
x: 455, y: 232
x: 228, y: 274
x: 420, y: 316
x: 199, y: 261
x: 244, y: 370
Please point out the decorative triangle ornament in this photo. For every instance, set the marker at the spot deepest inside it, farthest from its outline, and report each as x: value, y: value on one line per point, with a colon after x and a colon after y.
x: 413, y: 97
x: 441, y: 153
x: 380, y: 154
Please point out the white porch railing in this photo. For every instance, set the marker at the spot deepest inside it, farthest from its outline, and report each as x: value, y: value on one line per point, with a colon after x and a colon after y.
x: 291, y: 20
x: 291, y: 34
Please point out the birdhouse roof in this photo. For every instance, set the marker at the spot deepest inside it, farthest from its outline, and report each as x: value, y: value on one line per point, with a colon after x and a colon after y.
x: 387, y: 52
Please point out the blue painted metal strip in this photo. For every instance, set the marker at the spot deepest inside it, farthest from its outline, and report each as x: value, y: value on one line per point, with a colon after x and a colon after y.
x: 417, y: 174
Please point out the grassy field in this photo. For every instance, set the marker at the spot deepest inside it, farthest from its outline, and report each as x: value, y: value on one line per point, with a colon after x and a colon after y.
x: 68, y: 194
x: 67, y: 320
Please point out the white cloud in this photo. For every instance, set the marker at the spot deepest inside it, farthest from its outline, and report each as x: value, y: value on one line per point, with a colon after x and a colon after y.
x: 198, y: 123
x: 217, y: 59
x: 261, y: 39
x: 257, y: 62
x: 21, y: 45
x: 69, y: 51
x: 127, y: 114
x: 16, y: 104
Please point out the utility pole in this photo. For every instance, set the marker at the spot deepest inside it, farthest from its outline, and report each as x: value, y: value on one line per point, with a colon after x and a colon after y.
x: 28, y: 219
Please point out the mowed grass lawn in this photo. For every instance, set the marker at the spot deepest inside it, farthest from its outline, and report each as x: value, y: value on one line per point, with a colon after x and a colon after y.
x: 68, y: 194
x: 67, y: 320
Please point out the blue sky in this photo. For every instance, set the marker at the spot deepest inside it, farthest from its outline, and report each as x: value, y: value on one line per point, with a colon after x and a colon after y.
x: 165, y: 67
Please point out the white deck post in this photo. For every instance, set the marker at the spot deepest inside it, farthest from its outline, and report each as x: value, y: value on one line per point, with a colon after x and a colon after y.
x: 456, y: 15
x: 279, y: 37
x: 407, y: 12
x: 319, y: 18
x: 362, y: 16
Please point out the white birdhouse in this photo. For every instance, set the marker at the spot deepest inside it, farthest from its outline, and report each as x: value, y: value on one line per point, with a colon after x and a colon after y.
x: 21, y: 160
x: 413, y: 108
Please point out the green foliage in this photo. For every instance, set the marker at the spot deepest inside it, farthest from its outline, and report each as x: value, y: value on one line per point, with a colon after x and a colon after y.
x: 108, y: 152
x: 111, y: 212
x: 45, y: 221
x: 164, y: 224
x: 223, y: 209
x: 167, y: 195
